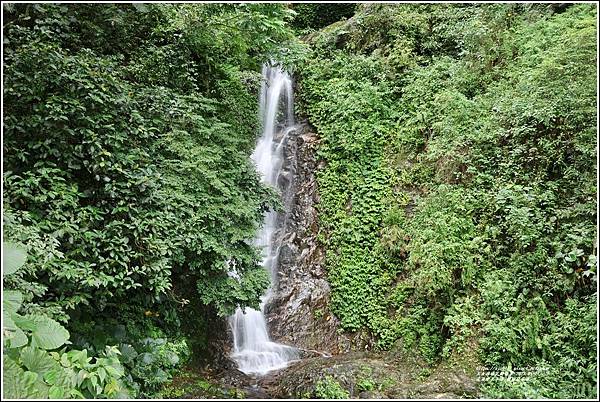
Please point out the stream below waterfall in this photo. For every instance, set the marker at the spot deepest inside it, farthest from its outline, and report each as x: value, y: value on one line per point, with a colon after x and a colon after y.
x: 253, y: 350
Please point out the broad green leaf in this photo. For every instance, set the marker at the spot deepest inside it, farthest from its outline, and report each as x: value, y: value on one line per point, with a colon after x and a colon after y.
x: 172, y: 358
x: 15, y: 339
x: 57, y: 392
x: 49, y: 334
x: 93, y: 379
x: 76, y: 394
x: 26, y: 322
x: 60, y: 376
x: 9, y: 324
x: 101, y: 374
x: 79, y: 357
x: 11, y: 300
x: 41, y: 387
x: 37, y: 360
x: 14, y: 256
x: 18, y: 383
x: 116, y: 372
x: 64, y: 360
x: 81, y: 376
x: 128, y: 352
x: 147, y: 358
x: 45, y: 332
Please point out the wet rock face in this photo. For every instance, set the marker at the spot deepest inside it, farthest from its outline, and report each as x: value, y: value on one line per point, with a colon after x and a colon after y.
x: 367, y: 375
x: 298, y: 313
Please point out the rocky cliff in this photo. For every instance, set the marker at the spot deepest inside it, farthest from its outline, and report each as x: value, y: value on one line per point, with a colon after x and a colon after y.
x: 298, y: 313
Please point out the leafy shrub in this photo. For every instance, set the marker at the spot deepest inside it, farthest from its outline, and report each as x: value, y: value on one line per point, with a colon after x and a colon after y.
x: 149, y: 355
x: 457, y: 189
x: 123, y: 216
x: 365, y: 384
x: 317, y: 15
x: 153, y: 361
x: 32, y: 369
x: 329, y: 388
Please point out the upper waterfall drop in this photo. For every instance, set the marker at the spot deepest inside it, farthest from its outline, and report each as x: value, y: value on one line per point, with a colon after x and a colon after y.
x: 253, y: 350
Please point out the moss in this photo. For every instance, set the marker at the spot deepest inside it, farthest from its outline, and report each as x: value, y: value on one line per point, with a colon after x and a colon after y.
x: 195, y: 385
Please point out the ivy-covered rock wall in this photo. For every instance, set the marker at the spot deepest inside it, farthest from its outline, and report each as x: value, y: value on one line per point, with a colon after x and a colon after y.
x: 458, y: 194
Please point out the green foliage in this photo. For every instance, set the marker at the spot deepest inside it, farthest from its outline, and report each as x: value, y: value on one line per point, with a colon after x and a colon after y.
x: 365, y: 384
x: 191, y: 384
x: 149, y: 354
x: 329, y: 388
x: 127, y: 178
x: 226, y: 293
x: 319, y: 15
x: 19, y: 330
x: 13, y: 258
x: 567, y: 345
x: 457, y: 193
x: 125, y: 217
x: 154, y: 360
x: 32, y: 370
x: 353, y: 185
x: 457, y: 189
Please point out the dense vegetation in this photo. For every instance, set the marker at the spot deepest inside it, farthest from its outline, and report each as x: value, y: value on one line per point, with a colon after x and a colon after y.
x: 458, y: 201
x: 313, y: 16
x: 127, y: 132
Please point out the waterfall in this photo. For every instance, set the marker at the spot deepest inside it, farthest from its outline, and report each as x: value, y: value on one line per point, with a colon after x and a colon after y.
x: 253, y: 351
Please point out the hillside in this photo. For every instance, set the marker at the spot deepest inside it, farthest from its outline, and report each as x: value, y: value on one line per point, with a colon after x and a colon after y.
x: 281, y: 200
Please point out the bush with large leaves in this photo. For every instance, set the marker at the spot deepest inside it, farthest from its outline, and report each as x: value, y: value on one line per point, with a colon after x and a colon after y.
x: 33, y: 368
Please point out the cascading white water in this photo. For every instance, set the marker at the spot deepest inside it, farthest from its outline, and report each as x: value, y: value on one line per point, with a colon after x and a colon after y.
x: 253, y: 350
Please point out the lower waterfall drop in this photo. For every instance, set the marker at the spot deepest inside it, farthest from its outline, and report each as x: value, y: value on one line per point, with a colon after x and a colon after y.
x: 253, y: 351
